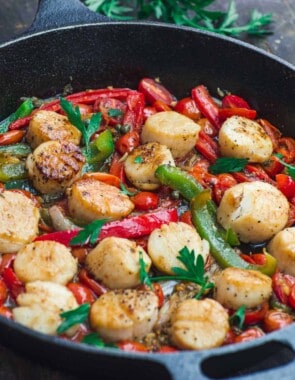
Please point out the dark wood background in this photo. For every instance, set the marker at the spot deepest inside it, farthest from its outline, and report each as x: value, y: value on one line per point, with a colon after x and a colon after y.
x: 17, y: 15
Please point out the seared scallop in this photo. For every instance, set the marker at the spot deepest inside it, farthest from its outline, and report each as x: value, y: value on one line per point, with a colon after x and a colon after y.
x: 115, y: 262
x: 178, y: 132
x: 90, y: 199
x: 282, y: 247
x: 54, y: 166
x: 39, y: 308
x: 124, y: 314
x: 244, y: 138
x: 235, y: 287
x: 51, y: 261
x: 48, y: 125
x: 256, y: 211
x: 199, y: 324
x: 142, y: 162
x: 19, y: 221
x: 164, y: 244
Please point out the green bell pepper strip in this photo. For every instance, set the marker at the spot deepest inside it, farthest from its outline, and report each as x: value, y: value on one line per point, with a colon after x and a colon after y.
x: 22, y: 184
x: 222, y: 252
x: 17, y: 150
x: 182, y: 182
x: 9, y: 172
x: 100, y: 149
x: 25, y: 109
x: 188, y: 187
x: 178, y: 180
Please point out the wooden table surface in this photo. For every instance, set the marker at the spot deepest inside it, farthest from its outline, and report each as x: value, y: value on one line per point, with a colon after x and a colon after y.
x: 16, y: 16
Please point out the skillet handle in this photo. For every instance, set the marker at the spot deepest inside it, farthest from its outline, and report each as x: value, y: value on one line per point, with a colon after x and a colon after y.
x: 272, y: 359
x: 52, y: 14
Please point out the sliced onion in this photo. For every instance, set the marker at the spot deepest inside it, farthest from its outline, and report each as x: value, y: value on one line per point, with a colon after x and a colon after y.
x: 59, y: 221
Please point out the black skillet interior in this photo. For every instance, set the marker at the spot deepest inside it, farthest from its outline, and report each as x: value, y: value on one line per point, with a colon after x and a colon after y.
x: 94, y: 53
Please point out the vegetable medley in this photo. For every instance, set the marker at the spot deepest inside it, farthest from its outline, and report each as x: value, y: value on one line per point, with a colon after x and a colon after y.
x: 133, y: 220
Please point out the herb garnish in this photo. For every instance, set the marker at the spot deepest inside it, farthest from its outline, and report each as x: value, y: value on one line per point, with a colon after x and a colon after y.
x: 94, y: 339
x: 74, y: 117
x: 186, y: 12
x: 228, y: 165
x: 126, y: 191
x: 73, y: 317
x: 143, y: 275
x: 290, y: 168
x: 89, y: 233
x: 194, y: 271
x: 238, y: 318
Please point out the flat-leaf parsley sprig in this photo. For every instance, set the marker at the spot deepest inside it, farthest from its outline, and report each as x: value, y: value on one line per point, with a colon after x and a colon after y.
x: 89, y: 234
x: 194, y: 271
x: 74, y: 116
x: 73, y: 317
x: 185, y: 12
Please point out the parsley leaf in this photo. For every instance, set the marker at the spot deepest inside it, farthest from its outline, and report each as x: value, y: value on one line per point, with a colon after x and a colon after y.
x: 143, y: 275
x: 94, y: 339
x: 238, y: 318
x: 126, y: 191
x: 194, y: 271
x: 73, y: 317
x: 89, y: 234
x: 228, y: 165
x: 290, y: 168
x: 185, y: 12
x: 74, y: 117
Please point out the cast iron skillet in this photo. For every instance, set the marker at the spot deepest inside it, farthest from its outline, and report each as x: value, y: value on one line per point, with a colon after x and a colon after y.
x: 69, y: 44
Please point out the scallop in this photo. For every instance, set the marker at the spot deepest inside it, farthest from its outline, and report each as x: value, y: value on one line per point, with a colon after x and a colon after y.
x: 54, y: 166
x: 115, y: 262
x: 244, y: 138
x: 51, y: 261
x: 256, y: 211
x: 282, y: 247
x: 235, y: 287
x: 19, y: 221
x: 178, y: 132
x: 48, y: 125
x: 124, y: 314
x: 164, y: 244
x: 90, y: 199
x: 39, y: 308
x: 142, y: 162
x: 199, y: 324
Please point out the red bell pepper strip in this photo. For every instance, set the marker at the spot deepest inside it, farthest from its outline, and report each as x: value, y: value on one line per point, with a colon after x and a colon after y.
x: 225, y: 113
x: 14, y: 285
x: 234, y: 101
x: 134, y: 113
x: 252, y: 173
x: 95, y: 286
x: 85, y: 97
x: 206, y: 105
x: 207, y: 147
x: 130, y: 228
